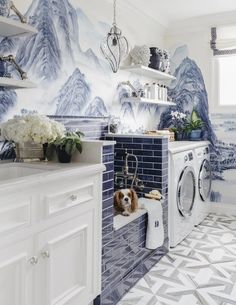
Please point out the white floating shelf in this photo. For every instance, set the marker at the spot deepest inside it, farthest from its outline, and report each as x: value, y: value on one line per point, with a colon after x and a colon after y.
x: 14, y: 28
x: 16, y: 84
x: 148, y: 101
x: 149, y: 72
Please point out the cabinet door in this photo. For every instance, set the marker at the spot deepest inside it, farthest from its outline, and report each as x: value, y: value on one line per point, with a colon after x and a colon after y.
x: 65, y: 271
x: 16, y: 274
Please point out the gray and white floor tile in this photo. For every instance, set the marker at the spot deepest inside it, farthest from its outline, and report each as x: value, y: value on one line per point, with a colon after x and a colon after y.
x: 199, y: 271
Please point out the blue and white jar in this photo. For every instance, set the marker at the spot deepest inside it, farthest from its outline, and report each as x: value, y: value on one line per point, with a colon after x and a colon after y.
x: 4, y: 8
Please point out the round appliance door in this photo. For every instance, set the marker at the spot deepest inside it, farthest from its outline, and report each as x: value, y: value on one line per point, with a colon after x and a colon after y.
x: 186, y: 192
x: 205, y: 180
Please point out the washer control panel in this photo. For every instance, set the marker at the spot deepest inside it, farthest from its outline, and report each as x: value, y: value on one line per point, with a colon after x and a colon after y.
x: 188, y: 157
x: 206, y: 151
x: 203, y: 151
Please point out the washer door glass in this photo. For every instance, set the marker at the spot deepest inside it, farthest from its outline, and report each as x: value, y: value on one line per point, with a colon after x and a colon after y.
x: 186, y: 192
x: 205, y: 180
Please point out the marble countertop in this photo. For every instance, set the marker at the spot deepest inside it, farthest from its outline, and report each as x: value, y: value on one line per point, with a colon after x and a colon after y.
x: 12, y: 174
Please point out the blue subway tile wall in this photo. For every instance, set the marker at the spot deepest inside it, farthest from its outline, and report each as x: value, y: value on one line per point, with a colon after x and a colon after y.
x: 152, y: 155
x: 124, y: 257
x: 107, y: 193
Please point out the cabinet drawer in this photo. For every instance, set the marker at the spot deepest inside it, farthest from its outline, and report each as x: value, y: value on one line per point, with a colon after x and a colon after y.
x: 57, y: 202
x: 14, y: 214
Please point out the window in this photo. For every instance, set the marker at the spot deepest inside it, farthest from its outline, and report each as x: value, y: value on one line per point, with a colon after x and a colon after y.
x: 227, y: 80
x: 223, y: 44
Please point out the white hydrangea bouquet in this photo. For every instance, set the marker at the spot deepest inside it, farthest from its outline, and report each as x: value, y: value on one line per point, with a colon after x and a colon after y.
x: 29, y: 132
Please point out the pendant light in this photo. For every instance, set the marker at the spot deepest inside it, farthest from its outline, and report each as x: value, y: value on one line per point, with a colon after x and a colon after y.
x: 114, y: 47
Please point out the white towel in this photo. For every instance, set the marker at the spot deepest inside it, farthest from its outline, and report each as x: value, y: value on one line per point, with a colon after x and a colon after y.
x: 155, y: 228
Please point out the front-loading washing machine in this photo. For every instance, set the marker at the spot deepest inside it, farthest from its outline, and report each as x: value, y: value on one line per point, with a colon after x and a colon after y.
x: 204, y: 182
x: 181, y: 192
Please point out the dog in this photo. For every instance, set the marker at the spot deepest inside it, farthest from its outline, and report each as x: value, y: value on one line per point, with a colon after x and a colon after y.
x: 125, y: 201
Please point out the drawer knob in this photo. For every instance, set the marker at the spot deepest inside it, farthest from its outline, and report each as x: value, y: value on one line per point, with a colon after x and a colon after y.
x: 45, y: 254
x: 33, y: 260
x: 73, y: 197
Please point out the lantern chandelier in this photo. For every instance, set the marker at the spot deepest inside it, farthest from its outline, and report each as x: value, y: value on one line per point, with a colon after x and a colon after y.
x: 114, y: 47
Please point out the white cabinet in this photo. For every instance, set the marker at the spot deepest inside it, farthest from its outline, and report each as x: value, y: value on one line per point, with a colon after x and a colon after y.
x: 16, y: 274
x: 50, y: 240
x: 65, y: 266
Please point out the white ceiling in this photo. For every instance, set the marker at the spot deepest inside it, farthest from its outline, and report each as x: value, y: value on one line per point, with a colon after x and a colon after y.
x: 172, y: 11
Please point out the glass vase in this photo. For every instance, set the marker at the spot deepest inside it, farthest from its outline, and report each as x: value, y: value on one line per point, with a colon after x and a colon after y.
x: 29, y: 151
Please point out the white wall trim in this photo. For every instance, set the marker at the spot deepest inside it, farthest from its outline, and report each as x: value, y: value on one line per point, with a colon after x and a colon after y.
x: 223, y: 208
x: 201, y: 23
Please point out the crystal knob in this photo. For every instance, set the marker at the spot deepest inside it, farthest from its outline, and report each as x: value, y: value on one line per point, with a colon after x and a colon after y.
x: 45, y: 254
x: 33, y: 260
x: 73, y: 197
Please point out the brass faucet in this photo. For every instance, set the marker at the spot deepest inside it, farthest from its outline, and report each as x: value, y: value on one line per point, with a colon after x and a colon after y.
x: 122, y: 178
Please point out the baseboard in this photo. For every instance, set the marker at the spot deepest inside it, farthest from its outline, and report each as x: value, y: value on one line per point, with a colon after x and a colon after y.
x: 223, y: 208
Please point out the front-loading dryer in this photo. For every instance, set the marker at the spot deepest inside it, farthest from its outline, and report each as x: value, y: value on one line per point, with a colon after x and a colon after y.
x: 181, y: 193
x: 204, y: 182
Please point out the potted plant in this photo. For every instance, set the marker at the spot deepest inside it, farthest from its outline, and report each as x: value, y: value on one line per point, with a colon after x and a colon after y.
x: 194, y: 127
x: 178, y: 124
x: 67, y: 146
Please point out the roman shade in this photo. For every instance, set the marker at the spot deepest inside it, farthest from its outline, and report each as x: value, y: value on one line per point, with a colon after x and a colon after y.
x: 223, y: 40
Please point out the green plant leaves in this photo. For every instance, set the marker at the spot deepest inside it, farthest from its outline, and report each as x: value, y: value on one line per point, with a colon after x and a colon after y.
x: 194, y: 116
x: 70, y: 142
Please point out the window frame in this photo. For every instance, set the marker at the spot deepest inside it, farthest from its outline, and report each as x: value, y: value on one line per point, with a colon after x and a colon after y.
x: 215, y: 105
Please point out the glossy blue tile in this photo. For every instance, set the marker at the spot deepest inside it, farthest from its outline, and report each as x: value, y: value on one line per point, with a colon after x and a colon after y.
x: 152, y: 159
x: 108, y: 158
x: 108, y: 185
x: 158, y: 141
x: 143, y: 140
x: 109, y: 167
x: 108, y: 149
x: 124, y: 140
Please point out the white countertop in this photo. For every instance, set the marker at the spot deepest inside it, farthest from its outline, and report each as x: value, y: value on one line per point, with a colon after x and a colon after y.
x: 179, y: 146
x: 43, y: 170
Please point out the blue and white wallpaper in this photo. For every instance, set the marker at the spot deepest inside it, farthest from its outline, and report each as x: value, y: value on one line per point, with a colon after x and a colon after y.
x: 54, y: 59
x: 64, y: 60
x: 189, y: 91
x: 224, y: 158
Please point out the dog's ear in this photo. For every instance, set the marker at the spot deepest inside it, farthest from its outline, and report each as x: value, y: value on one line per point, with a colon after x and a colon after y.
x: 134, y: 201
x: 117, y: 205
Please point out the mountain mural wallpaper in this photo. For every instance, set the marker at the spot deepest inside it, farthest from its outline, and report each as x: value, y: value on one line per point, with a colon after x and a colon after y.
x: 64, y: 60
x: 189, y: 91
x: 53, y: 58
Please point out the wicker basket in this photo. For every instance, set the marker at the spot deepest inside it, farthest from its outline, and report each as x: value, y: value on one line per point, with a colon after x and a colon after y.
x: 29, y: 151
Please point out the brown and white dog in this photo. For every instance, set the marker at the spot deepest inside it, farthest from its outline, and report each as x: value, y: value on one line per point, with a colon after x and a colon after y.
x: 125, y: 201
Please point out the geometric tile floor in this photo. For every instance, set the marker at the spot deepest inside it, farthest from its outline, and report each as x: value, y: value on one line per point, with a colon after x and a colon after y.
x: 199, y: 271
